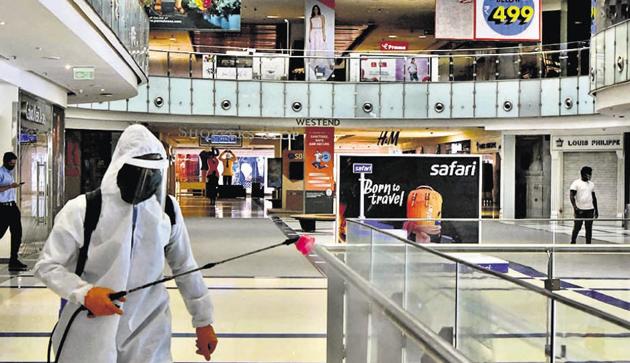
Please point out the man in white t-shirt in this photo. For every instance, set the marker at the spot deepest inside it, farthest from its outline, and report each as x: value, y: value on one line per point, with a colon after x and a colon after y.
x: 582, y: 194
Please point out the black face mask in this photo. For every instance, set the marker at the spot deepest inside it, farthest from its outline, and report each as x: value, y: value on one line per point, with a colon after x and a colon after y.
x: 9, y: 167
x: 138, y: 184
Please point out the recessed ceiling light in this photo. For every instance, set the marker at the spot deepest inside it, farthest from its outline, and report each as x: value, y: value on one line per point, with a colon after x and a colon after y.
x: 2, y: 23
x: 422, y: 36
x: 81, y: 90
x: 68, y: 66
x: 300, y: 17
x: 172, y: 39
x: 272, y: 16
x: 51, y: 57
x: 392, y: 36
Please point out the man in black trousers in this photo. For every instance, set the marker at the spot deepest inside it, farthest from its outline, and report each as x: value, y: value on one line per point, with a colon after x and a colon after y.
x: 10, y: 216
x: 584, y: 201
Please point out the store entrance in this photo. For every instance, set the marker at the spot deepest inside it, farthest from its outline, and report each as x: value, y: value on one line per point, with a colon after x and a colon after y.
x: 35, y: 173
x: 222, y: 175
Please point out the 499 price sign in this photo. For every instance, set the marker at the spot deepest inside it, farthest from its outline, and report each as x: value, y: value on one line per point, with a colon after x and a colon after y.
x: 508, y: 20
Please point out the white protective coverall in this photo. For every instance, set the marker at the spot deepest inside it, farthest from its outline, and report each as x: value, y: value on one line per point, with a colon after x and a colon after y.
x: 121, y: 257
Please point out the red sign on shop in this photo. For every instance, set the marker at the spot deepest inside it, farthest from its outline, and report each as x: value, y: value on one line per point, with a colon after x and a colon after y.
x: 393, y: 45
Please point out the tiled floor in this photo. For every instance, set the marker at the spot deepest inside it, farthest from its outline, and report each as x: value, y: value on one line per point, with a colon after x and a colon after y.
x: 263, y: 313
x: 276, y: 312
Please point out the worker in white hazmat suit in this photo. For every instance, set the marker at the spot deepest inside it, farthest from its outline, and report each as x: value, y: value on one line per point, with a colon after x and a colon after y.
x: 128, y: 247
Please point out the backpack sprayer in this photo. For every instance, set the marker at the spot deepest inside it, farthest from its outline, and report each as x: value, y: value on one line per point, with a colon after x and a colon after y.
x: 304, y: 244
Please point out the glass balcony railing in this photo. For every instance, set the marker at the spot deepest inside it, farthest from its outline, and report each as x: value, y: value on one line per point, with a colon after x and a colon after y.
x: 486, y: 301
x: 128, y: 20
x: 609, y: 58
x: 489, y: 83
x: 531, y: 62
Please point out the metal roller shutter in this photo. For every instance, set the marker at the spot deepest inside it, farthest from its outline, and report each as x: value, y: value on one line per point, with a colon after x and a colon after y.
x: 604, y: 166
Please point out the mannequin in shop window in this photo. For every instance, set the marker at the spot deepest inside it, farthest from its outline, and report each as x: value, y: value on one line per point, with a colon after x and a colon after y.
x: 212, y: 181
x: 204, y: 155
x: 227, y: 157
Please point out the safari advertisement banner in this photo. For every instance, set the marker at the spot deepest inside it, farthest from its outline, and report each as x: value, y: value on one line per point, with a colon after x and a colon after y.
x: 434, y: 187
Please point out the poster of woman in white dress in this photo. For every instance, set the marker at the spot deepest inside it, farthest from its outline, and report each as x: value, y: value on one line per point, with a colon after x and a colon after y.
x: 319, y: 39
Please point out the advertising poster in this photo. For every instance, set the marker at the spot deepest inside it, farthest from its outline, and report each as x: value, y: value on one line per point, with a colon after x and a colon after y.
x: 248, y: 170
x: 217, y: 15
x: 319, y: 41
x: 414, y: 69
x: 274, y: 172
x: 207, y: 64
x: 514, y: 20
x: 319, y: 150
x: 435, y: 187
x: 454, y: 19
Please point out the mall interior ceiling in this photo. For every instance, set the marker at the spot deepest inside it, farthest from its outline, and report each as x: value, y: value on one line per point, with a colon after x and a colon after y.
x: 361, y: 25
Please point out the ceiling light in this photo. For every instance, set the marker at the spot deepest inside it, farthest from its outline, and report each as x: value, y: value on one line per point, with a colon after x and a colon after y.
x: 68, y: 66
x: 272, y: 16
x: 2, y: 23
x: 102, y: 89
x: 422, y: 36
x: 392, y: 36
x: 172, y: 39
x: 301, y: 17
x: 81, y: 90
x: 51, y: 57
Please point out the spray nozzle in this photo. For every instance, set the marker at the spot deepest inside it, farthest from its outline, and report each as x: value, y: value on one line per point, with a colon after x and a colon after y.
x: 305, y: 244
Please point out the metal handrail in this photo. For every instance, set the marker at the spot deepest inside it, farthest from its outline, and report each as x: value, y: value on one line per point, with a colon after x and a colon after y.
x: 491, y: 220
x: 559, y: 298
x: 419, y: 51
x: 610, y: 27
x: 379, y: 55
x: 432, y: 343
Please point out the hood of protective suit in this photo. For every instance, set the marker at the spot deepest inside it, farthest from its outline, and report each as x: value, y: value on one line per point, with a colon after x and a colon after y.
x: 134, y: 142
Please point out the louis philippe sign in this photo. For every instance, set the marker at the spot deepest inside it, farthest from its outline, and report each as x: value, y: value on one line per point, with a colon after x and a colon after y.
x: 587, y: 143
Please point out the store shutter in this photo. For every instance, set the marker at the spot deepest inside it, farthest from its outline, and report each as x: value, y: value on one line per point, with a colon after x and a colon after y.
x: 604, y: 166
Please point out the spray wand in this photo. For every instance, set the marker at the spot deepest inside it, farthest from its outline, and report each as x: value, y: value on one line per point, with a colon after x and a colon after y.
x: 304, y: 244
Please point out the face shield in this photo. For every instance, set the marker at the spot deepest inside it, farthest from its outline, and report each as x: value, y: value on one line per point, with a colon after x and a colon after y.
x: 143, y: 177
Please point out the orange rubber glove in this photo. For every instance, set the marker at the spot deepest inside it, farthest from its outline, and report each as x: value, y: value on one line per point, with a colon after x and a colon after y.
x: 98, y: 303
x: 206, y: 341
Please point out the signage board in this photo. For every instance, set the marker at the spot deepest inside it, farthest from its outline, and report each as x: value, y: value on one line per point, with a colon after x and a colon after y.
x: 394, y: 188
x: 220, y: 140
x: 83, y: 73
x: 35, y: 110
x: 319, y: 152
x: 206, y: 15
x: 517, y: 20
x: 498, y: 20
x: 358, y: 168
x: 393, y: 45
x: 587, y: 143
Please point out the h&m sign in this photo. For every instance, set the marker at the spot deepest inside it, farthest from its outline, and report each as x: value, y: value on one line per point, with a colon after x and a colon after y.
x: 587, y: 142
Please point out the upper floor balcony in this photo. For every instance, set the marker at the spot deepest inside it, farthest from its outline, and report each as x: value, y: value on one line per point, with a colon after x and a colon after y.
x: 609, y: 76
x: 468, y: 84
